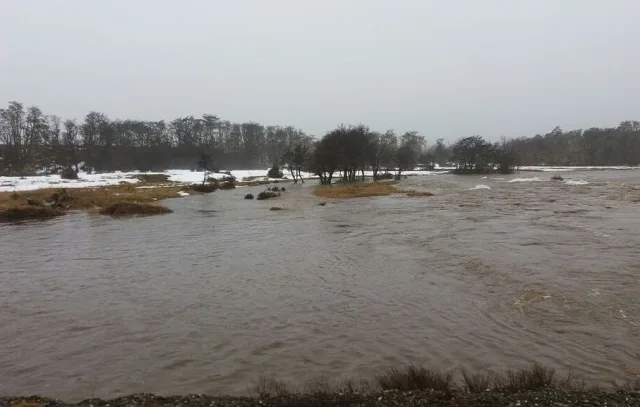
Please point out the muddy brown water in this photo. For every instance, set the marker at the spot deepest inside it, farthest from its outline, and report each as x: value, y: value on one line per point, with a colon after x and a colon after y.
x: 205, y: 299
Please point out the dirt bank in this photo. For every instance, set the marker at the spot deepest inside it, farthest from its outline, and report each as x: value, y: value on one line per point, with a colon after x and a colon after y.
x: 547, y: 397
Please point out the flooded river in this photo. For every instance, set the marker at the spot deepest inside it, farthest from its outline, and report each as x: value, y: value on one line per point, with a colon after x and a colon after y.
x: 210, y: 296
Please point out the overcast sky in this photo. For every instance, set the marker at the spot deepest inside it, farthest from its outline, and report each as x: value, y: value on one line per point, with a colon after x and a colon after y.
x: 447, y: 68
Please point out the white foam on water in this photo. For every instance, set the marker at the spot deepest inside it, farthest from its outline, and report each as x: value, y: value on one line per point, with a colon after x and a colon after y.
x: 593, y: 293
x: 182, y: 193
x: 480, y: 186
x: 533, y: 179
x: 576, y: 182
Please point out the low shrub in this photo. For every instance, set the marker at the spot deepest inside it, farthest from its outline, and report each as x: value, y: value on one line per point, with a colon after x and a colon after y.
x: 228, y: 185
x: 275, y: 172
x: 69, y: 173
x: 202, y: 188
x: 386, y: 175
x: 267, y: 195
x: 248, y: 196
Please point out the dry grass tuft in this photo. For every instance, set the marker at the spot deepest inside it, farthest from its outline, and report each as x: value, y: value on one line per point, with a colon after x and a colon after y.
x: 152, y: 178
x: 25, y: 213
x: 479, y: 382
x: 416, y: 378
x: 629, y: 385
x: 130, y: 208
x: 414, y: 193
x: 534, y: 378
x: 325, y: 387
x: 347, y: 191
x: 268, y: 387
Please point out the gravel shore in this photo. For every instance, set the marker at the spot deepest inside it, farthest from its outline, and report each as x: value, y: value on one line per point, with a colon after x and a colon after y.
x: 547, y: 397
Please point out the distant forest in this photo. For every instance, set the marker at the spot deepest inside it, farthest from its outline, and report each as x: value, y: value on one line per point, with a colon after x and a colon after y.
x: 31, y: 141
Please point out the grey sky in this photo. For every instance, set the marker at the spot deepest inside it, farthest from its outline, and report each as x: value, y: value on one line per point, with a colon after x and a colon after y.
x: 447, y: 68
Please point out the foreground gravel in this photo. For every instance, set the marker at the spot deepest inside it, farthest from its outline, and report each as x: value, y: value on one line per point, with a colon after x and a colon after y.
x: 547, y: 397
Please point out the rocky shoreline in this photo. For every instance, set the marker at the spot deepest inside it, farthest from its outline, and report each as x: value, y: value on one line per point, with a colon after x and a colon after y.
x: 544, y: 397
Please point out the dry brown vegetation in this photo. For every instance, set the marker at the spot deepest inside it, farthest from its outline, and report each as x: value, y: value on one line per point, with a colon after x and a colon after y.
x: 416, y: 378
x: 152, y: 178
x: 347, y: 191
x: 24, y: 213
x: 411, y: 386
x: 91, y: 198
x: 131, y: 208
x: 533, y: 378
x: 268, y: 386
x: 24, y: 205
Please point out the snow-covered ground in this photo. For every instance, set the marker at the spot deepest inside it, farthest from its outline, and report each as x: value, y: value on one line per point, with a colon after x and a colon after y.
x: 187, y: 176
x: 114, y: 178
x: 54, y: 181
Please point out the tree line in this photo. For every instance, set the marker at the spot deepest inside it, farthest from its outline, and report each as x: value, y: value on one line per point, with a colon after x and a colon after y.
x: 31, y: 141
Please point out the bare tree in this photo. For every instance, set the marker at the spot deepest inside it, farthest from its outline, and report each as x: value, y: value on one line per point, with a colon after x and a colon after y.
x: 70, y: 143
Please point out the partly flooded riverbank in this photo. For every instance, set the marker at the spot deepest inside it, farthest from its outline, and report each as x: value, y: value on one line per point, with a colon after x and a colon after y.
x: 205, y: 299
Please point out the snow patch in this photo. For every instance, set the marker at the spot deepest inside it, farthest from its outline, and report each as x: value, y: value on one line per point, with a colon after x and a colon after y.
x: 54, y: 181
x: 182, y: 193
